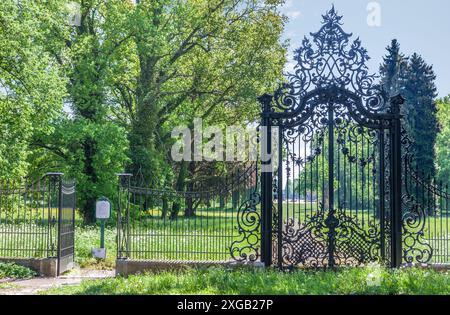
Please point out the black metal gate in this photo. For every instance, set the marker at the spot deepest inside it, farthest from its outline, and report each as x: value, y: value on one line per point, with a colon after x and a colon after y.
x: 66, y: 240
x: 37, y: 218
x: 65, y: 200
x: 332, y: 185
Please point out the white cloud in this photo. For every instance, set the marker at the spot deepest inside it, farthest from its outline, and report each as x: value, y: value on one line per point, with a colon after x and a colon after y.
x: 293, y: 14
x: 288, y: 9
x: 288, y: 4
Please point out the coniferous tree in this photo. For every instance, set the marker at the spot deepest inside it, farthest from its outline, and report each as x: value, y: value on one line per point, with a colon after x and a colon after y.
x: 393, y: 68
x: 419, y: 90
x: 414, y: 80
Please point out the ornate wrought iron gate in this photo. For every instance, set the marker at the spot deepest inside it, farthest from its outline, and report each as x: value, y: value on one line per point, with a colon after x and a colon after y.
x: 66, y: 240
x: 63, y: 200
x: 333, y: 196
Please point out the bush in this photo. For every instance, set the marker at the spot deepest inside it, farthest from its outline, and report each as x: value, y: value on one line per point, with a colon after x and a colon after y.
x: 13, y: 271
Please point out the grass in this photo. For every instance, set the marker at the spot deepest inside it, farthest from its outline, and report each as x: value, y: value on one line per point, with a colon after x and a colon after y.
x: 13, y: 271
x: 368, y: 280
x: 87, y: 238
x: 8, y: 286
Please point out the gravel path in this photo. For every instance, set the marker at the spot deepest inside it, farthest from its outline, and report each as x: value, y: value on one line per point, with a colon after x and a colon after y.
x: 33, y: 286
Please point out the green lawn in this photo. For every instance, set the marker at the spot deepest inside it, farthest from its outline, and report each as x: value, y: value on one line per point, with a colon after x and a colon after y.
x: 87, y: 238
x: 368, y: 280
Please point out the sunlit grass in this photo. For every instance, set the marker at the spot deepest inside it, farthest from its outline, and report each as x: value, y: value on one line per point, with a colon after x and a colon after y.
x: 368, y: 280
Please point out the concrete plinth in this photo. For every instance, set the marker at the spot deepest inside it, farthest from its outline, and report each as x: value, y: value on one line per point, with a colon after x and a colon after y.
x: 47, y: 267
x: 125, y: 267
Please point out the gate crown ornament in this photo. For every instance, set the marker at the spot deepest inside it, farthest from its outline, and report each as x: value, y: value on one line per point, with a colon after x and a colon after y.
x: 330, y: 61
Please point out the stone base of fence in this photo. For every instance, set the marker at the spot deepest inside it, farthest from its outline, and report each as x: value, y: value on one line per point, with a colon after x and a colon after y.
x: 444, y: 267
x: 125, y: 267
x: 47, y: 267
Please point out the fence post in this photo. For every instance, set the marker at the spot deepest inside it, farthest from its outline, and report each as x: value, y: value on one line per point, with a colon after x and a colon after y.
x: 396, y: 183
x: 56, y: 179
x: 266, y: 182
x: 123, y: 221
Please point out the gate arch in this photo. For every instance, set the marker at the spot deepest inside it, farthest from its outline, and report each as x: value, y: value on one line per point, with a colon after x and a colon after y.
x: 334, y: 196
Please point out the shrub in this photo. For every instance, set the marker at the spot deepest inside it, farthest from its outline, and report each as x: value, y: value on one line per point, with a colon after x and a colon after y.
x: 13, y: 271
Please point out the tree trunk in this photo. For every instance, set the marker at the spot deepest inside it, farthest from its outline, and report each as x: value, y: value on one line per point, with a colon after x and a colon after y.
x: 180, y: 186
x: 221, y: 201
x: 89, y: 146
x: 165, y: 207
x: 88, y: 211
x: 235, y: 199
x: 190, y: 211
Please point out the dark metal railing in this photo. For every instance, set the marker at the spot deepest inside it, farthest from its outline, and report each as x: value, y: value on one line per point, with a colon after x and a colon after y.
x: 29, y: 216
x: 427, y: 203
x: 170, y: 225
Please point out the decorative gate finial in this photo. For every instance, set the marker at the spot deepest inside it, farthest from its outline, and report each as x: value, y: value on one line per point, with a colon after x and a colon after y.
x: 329, y: 60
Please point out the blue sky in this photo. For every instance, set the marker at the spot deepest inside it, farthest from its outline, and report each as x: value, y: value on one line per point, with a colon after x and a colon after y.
x: 421, y: 26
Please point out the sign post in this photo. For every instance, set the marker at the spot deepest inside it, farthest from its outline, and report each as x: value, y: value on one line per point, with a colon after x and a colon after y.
x: 102, y: 213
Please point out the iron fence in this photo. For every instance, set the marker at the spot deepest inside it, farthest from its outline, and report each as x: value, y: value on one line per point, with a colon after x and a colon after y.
x: 426, y: 212
x: 205, y: 225
x: 31, y: 216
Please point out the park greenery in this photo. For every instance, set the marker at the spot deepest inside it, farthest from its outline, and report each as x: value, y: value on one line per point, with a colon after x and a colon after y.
x: 96, y: 91
x: 97, y: 96
x: 367, y: 280
x: 443, y: 142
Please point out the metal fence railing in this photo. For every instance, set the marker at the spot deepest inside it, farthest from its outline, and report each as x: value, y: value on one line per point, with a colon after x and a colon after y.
x: 426, y: 233
x: 30, y: 212
x: 167, y: 225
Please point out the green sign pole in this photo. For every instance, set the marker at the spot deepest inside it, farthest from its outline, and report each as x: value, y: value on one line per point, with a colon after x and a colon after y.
x: 102, y: 233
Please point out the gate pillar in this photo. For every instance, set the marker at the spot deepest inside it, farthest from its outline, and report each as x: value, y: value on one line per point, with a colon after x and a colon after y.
x: 396, y: 182
x: 266, y: 181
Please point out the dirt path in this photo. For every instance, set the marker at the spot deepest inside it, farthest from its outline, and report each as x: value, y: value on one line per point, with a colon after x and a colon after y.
x: 33, y: 286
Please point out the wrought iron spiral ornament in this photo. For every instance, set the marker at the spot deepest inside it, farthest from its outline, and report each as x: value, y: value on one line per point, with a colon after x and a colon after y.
x: 416, y: 249
x: 246, y: 248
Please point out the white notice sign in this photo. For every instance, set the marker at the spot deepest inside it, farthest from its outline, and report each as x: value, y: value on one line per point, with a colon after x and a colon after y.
x: 102, y: 209
x: 99, y: 253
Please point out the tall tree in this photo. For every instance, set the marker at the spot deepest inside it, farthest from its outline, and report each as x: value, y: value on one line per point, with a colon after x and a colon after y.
x: 207, y: 59
x: 393, y: 68
x: 31, y: 82
x: 420, y: 112
x: 414, y: 79
x: 95, y: 57
x: 87, y: 143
